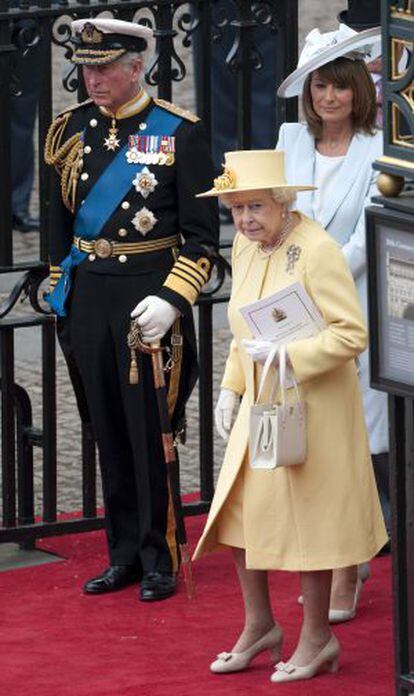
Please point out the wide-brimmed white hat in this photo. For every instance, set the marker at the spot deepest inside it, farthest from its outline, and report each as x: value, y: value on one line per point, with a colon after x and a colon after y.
x: 320, y: 49
x: 252, y: 170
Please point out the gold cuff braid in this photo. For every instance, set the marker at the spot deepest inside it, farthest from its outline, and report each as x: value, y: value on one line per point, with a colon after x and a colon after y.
x: 64, y: 157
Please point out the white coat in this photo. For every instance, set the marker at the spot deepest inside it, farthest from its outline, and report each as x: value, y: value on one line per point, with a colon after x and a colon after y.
x: 343, y: 216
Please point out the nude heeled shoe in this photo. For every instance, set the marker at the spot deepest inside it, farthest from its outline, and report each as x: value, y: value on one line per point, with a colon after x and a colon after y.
x: 236, y: 662
x: 326, y: 660
x: 341, y: 615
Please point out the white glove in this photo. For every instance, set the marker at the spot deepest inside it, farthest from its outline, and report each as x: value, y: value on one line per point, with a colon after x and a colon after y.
x: 259, y: 349
x: 155, y: 316
x: 223, y: 413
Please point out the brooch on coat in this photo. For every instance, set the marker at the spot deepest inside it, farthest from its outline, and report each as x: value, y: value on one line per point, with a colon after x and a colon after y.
x: 145, y: 182
x: 293, y: 253
x: 144, y: 221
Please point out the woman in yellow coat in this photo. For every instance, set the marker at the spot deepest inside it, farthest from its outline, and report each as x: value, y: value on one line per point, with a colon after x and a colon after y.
x: 325, y: 513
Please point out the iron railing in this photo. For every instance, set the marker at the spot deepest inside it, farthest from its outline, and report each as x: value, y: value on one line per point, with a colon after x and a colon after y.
x: 45, y: 26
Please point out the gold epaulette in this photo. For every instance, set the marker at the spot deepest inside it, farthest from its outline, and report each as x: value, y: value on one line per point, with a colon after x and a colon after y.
x: 64, y: 155
x: 74, y: 107
x: 177, y: 110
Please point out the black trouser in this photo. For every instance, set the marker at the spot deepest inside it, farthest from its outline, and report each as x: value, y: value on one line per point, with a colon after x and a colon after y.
x: 124, y: 417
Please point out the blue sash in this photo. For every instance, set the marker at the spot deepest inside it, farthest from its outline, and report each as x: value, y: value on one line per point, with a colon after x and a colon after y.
x: 100, y: 203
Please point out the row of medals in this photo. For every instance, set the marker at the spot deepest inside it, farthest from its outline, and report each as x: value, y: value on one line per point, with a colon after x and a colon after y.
x: 152, y: 154
x: 162, y: 158
x: 152, y: 149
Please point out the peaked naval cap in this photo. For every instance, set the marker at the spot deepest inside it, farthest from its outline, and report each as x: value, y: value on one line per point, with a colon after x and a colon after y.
x: 100, y: 41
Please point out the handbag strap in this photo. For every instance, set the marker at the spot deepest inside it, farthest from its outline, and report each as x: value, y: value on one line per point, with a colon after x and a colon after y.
x: 282, y: 373
x: 283, y: 368
x: 266, y: 367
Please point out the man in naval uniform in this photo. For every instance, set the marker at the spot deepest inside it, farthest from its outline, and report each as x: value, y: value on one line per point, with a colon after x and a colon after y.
x: 128, y: 238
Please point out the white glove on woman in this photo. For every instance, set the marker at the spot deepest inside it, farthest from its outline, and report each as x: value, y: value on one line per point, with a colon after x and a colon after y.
x: 259, y: 349
x: 155, y: 316
x: 223, y: 413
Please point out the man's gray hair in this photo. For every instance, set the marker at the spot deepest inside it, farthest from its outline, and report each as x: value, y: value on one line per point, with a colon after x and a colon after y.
x: 131, y: 56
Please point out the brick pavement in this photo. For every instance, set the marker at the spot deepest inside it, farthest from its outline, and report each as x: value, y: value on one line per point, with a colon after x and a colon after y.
x: 311, y: 13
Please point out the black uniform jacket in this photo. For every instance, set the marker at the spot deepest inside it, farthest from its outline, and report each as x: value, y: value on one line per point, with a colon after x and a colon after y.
x: 176, y: 210
x: 76, y: 145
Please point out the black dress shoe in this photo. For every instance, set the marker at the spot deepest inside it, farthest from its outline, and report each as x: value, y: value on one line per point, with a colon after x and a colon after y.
x: 156, y: 586
x: 113, y: 578
x: 24, y: 222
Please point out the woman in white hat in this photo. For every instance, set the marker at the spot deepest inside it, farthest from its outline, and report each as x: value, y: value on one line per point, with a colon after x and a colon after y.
x: 334, y: 149
x: 325, y: 512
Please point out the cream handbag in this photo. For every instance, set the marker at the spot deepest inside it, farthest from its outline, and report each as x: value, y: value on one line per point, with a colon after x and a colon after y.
x: 277, y: 435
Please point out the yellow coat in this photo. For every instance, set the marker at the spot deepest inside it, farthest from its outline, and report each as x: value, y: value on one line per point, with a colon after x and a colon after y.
x: 326, y: 513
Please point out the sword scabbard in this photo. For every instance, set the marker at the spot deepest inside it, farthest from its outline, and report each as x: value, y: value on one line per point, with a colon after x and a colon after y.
x: 158, y: 369
x: 168, y: 446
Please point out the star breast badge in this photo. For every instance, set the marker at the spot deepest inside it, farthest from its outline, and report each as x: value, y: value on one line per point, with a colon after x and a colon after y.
x: 144, y: 221
x: 145, y: 182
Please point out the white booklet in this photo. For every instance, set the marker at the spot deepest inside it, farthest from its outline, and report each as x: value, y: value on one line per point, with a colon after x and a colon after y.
x: 286, y: 316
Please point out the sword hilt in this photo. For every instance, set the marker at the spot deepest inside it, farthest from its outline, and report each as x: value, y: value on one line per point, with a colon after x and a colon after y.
x: 135, y: 343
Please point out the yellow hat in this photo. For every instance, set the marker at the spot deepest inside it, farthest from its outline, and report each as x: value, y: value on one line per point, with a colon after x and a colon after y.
x: 252, y: 170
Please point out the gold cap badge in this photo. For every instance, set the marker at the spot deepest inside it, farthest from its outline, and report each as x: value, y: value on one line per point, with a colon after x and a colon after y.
x: 91, y: 35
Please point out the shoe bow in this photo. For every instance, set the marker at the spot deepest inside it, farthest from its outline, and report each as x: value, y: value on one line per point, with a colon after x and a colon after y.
x: 225, y: 656
x: 285, y: 667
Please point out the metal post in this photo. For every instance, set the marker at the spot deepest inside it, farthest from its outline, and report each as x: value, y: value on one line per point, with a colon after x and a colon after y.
x: 205, y: 324
x: 25, y: 487
x: 287, y: 58
x: 6, y: 51
x: 164, y: 35
x: 49, y: 421
x: 45, y: 117
x: 8, y: 426
x: 204, y: 58
x: 243, y: 41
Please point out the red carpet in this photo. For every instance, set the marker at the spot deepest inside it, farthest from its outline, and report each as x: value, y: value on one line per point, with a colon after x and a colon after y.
x: 55, y: 641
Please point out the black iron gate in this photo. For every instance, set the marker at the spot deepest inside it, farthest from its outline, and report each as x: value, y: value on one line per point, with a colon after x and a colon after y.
x: 41, y: 29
